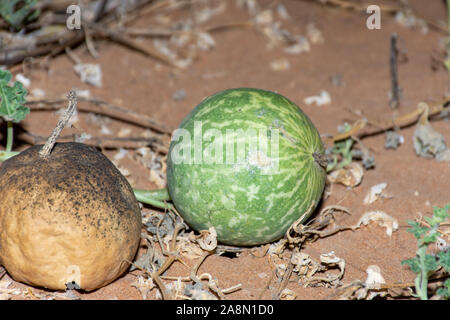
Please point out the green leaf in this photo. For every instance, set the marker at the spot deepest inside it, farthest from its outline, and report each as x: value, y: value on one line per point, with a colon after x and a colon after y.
x: 417, y: 229
x: 440, y: 214
x: 430, y: 237
x: 445, y: 290
x: 444, y: 260
x: 430, y: 263
x: 18, y: 12
x: 12, y: 99
x: 413, y: 264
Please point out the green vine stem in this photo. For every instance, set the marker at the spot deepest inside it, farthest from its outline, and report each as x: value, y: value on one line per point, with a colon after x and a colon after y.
x: 421, y: 281
x: 9, y: 137
x: 157, y: 198
x: 5, y: 155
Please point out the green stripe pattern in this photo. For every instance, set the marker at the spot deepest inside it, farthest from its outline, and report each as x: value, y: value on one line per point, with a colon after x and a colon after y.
x: 254, y: 195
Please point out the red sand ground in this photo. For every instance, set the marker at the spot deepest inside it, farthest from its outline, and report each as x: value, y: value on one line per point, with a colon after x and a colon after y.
x: 241, y: 59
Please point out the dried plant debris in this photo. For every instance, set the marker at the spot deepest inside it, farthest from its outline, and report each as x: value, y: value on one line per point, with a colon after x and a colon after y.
x: 336, y: 79
x: 374, y: 277
x: 24, y: 80
x: 377, y: 191
x: 282, y: 12
x: 208, y: 239
x: 144, y: 285
x: 155, y: 163
x: 162, y: 224
x: 207, y: 13
x: 179, y: 95
x: 89, y: 73
x: 197, y: 291
x: 288, y: 294
x: 6, y: 293
x: 393, y: 140
x: 442, y: 245
x: 277, y: 35
x: 189, y: 248
x: 368, y: 290
x: 350, y: 176
x: 277, y: 248
x: 308, y: 269
x: 407, y: 19
x: 429, y: 143
x: 322, y: 99
x: 314, y: 34
x: 343, y: 151
x: 280, y: 64
x: 300, y: 44
x: 383, y: 219
x: 299, y: 233
x: 175, y: 289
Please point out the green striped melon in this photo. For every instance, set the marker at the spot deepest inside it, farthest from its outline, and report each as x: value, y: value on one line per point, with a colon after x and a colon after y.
x: 247, y: 162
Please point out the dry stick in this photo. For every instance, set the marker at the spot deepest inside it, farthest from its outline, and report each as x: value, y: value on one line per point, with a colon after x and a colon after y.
x: 48, y: 146
x: 125, y: 41
x: 105, y: 108
x: 356, y: 6
x: 104, y: 141
x: 394, y: 101
x: 168, y: 262
x: 70, y: 38
x: 149, y: 32
x: 196, y: 279
x: 381, y: 127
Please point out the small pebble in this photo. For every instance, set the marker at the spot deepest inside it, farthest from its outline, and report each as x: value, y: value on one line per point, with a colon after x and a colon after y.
x: 179, y: 95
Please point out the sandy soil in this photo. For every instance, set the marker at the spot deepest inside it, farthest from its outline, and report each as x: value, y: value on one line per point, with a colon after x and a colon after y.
x: 241, y: 58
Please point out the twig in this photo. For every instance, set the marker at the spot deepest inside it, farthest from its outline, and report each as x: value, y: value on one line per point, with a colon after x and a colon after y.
x: 211, y: 284
x: 48, y: 146
x: 104, y: 141
x: 168, y: 262
x: 357, y: 6
x: 286, y: 276
x: 105, y: 108
x: 382, y: 126
x: 394, y: 100
x: 125, y: 41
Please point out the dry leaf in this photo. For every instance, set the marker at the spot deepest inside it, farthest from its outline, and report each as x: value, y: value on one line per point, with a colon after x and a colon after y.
x: 301, y: 45
x: 288, y: 294
x: 143, y: 285
x: 374, y: 276
x: 280, y: 64
x: 208, y: 239
x: 350, y: 176
x: 428, y: 142
x: 5, y: 293
x: 314, y: 34
x: 205, y: 41
x: 376, y: 192
x: 383, y: 219
x: 331, y: 259
x: 322, y: 99
x: 89, y: 73
x: 373, y: 281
